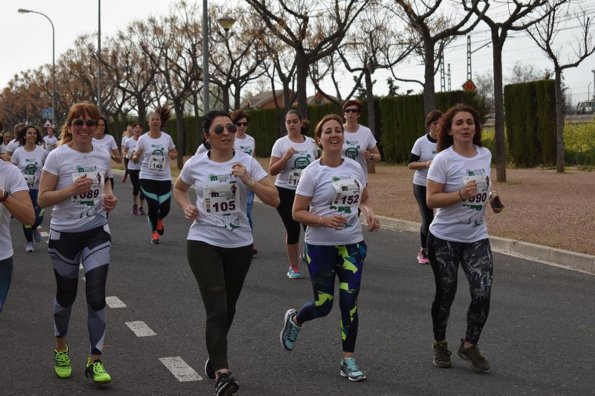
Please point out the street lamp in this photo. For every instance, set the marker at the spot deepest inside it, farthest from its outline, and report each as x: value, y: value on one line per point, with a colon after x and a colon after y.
x: 226, y: 23
x: 25, y: 11
x: 99, y: 56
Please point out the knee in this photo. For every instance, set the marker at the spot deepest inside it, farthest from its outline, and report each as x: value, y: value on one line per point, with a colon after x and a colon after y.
x: 324, y: 309
x: 480, y: 294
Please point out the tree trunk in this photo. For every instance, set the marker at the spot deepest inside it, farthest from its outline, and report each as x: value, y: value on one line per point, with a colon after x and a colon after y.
x: 500, y: 154
x: 302, y: 80
x: 429, y: 86
x: 180, y: 133
x: 559, y: 123
x: 371, y: 113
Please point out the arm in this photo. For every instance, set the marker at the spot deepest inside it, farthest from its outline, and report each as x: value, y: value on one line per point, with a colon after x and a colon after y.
x: 116, y: 155
x: 48, y: 195
x: 437, y: 198
x: 373, y: 154
x: 264, y: 188
x: 20, y: 206
x: 172, y: 153
x: 415, y: 165
x: 366, y: 208
x: 183, y: 200
x: 276, y: 164
x: 109, y: 200
x: 301, y: 214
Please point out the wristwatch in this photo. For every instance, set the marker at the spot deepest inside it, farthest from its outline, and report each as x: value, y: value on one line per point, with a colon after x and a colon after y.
x: 372, y: 157
x: 5, y: 196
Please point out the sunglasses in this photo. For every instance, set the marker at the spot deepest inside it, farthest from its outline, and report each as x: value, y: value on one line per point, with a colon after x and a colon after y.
x: 79, y: 123
x: 351, y: 111
x: 231, y: 128
x: 242, y: 124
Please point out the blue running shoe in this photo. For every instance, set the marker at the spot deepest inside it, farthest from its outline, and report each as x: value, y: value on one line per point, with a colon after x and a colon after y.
x: 350, y: 370
x: 290, y: 330
x: 293, y: 273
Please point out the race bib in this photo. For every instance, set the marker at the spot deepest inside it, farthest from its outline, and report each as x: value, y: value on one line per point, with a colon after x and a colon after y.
x: 483, y: 190
x: 347, y: 199
x: 221, y: 198
x: 91, y: 197
x: 294, y: 177
x: 30, y: 179
x: 157, y: 162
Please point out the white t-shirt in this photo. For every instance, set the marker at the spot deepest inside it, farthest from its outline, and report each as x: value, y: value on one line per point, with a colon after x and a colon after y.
x: 107, y: 142
x: 155, y: 158
x: 124, y: 139
x: 50, y: 143
x: 334, y: 191
x: 130, y: 145
x: 246, y: 145
x: 220, y: 199
x: 463, y: 221
x: 11, y: 180
x: 2, y: 148
x: 355, y: 143
x: 201, y: 149
x: 425, y: 149
x: 306, y: 153
x: 85, y: 211
x: 12, y: 146
x: 30, y: 164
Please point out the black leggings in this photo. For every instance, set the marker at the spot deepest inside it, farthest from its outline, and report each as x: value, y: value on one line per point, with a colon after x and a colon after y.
x: 135, y: 183
x: 292, y: 227
x: 158, y: 194
x: 427, y: 214
x: 220, y: 274
x: 477, y: 263
x: 28, y: 229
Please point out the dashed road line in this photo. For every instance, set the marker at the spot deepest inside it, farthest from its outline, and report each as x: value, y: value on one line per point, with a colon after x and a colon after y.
x: 114, y: 302
x: 140, y: 329
x: 180, y: 369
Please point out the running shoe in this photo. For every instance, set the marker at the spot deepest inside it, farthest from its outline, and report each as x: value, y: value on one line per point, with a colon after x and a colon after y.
x: 226, y: 384
x: 421, y: 257
x: 29, y: 248
x: 350, y: 370
x: 293, y: 272
x: 473, y: 355
x: 37, y: 235
x: 155, y: 238
x: 290, y: 330
x: 141, y: 211
x: 124, y: 178
x: 160, y: 227
x: 135, y: 210
x: 96, y: 372
x: 63, y: 368
x: 441, y: 355
x: 209, y: 371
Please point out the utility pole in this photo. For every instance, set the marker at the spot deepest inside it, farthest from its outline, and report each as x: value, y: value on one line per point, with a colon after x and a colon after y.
x: 448, y: 75
x: 442, y: 75
x: 99, y: 55
x: 469, y: 74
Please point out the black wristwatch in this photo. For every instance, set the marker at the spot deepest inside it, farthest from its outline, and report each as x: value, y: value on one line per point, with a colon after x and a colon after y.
x: 5, y: 196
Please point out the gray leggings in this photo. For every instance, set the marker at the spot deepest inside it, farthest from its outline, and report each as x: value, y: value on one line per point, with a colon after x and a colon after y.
x: 476, y: 260
x: 220, y: 274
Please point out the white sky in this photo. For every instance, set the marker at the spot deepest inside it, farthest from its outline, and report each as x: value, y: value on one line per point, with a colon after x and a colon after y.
x: 27, y: 42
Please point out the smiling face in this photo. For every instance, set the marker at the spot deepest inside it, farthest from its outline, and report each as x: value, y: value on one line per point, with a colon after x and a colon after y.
x: 330, y: 136
x: 462, y: 128
x: 31, y: 136
x: 83, y: 129
x: 137, y: 131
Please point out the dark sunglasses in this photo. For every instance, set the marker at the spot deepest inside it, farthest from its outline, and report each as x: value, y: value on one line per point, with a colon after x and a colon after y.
x: 231, y: 128
x: 242, y: 124
x: 79, y: 123
x: 351, y: 111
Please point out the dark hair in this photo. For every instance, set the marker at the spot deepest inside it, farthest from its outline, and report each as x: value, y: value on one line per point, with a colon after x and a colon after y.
x: 163, y: 112
x: 210, y: 116
x: 21, y: 138
x: 305, y: 122
x: 134, y: 124
x: 77, y: 110
x: 238, y: 115
x: 106, y: 128
x: 352, y: 102
x: 328, y: 117
x: 432, y: 116
x: 444, y: 138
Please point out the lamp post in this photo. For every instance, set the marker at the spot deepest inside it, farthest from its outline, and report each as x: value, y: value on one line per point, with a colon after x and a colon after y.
x: 226, y: 23
x: 99, y: 55
x: 25, y: 11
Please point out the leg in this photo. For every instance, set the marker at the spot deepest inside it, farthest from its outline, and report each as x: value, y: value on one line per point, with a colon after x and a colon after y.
x: 164, y: 197
x: 236, y: 263
x: 444, y: 257
x: 427, y: 214
x: 5, y: 277
x: 292, y: 227
x: 149, y: 189
x: 249, y: 205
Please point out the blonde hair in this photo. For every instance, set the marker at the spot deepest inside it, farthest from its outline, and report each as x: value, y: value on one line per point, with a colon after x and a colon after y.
x: 77, y: 110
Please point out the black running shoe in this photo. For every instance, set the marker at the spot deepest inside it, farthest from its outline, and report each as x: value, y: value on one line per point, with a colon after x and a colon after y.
x: 226, y: 385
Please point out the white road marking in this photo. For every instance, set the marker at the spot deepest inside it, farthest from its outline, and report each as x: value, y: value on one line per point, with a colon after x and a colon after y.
x: 140, y: 329
x: 180, y: 369
x: 45, y: 234
x: 114, y: 302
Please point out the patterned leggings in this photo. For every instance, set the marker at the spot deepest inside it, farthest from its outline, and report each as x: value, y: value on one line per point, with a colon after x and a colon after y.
x: 477, y: 263
x: 158, y: 194
x: 67, y: 251
x: 346, y: 263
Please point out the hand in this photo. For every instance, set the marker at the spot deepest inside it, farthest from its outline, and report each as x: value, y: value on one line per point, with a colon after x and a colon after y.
x: 469, y: 190
x: 290, y: 152
x: 191, y: 212
x: 81, y: 185
x: 336, y: 222
x: 367, y: 155
x: 109, y: 202
x: 373, y: 222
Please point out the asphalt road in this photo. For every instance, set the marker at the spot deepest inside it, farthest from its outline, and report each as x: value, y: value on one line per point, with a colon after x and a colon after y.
x: 538, y: 339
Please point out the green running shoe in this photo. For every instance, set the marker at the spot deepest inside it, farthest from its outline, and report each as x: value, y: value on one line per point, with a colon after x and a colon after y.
x: 62, y: 368
x: 96, y: 372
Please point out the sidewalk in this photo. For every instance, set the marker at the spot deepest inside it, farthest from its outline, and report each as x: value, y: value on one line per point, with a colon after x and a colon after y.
x: 543, y: 254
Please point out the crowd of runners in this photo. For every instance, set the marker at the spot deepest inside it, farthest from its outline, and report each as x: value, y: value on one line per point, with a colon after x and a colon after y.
x: 320, y: 186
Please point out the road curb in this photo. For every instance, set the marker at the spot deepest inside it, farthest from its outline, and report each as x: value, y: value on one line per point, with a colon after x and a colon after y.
x: 543, y: 254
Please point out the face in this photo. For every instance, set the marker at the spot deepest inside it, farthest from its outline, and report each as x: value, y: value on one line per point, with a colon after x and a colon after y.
x: 155, y: 122
x: 7, y: 137
x: 31, y: 135
x: 82, y: 129
x: 331, y: 136
x: 221, y: 133
x: 137, y: 131
x: 433, y: 126
x: 50, y: 131
x: 293, y: 124
x: 351, y: 113
x: 462, y: 127
x: 100, y: 131
x: 242, y: 125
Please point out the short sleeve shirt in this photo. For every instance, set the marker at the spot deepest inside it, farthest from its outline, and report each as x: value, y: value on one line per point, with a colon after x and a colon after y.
x: 355, y: 143
x: 306, y: 153
x: 155, y: 156
x: 11, y: 180
x: 246, y: 145
x: 425, y: 149
x: 130, y: 145
x: 30, y: 163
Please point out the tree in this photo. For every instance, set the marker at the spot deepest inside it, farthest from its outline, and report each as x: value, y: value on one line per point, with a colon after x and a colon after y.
x: 431, y: 28
x: 517, y: 12
x: 523, y: 73
x: 313, y: 29
x: 544, y: 34
x: 485, y: 87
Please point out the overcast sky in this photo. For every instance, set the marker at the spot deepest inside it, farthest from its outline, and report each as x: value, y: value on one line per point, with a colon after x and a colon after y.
x: 27, y: 42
